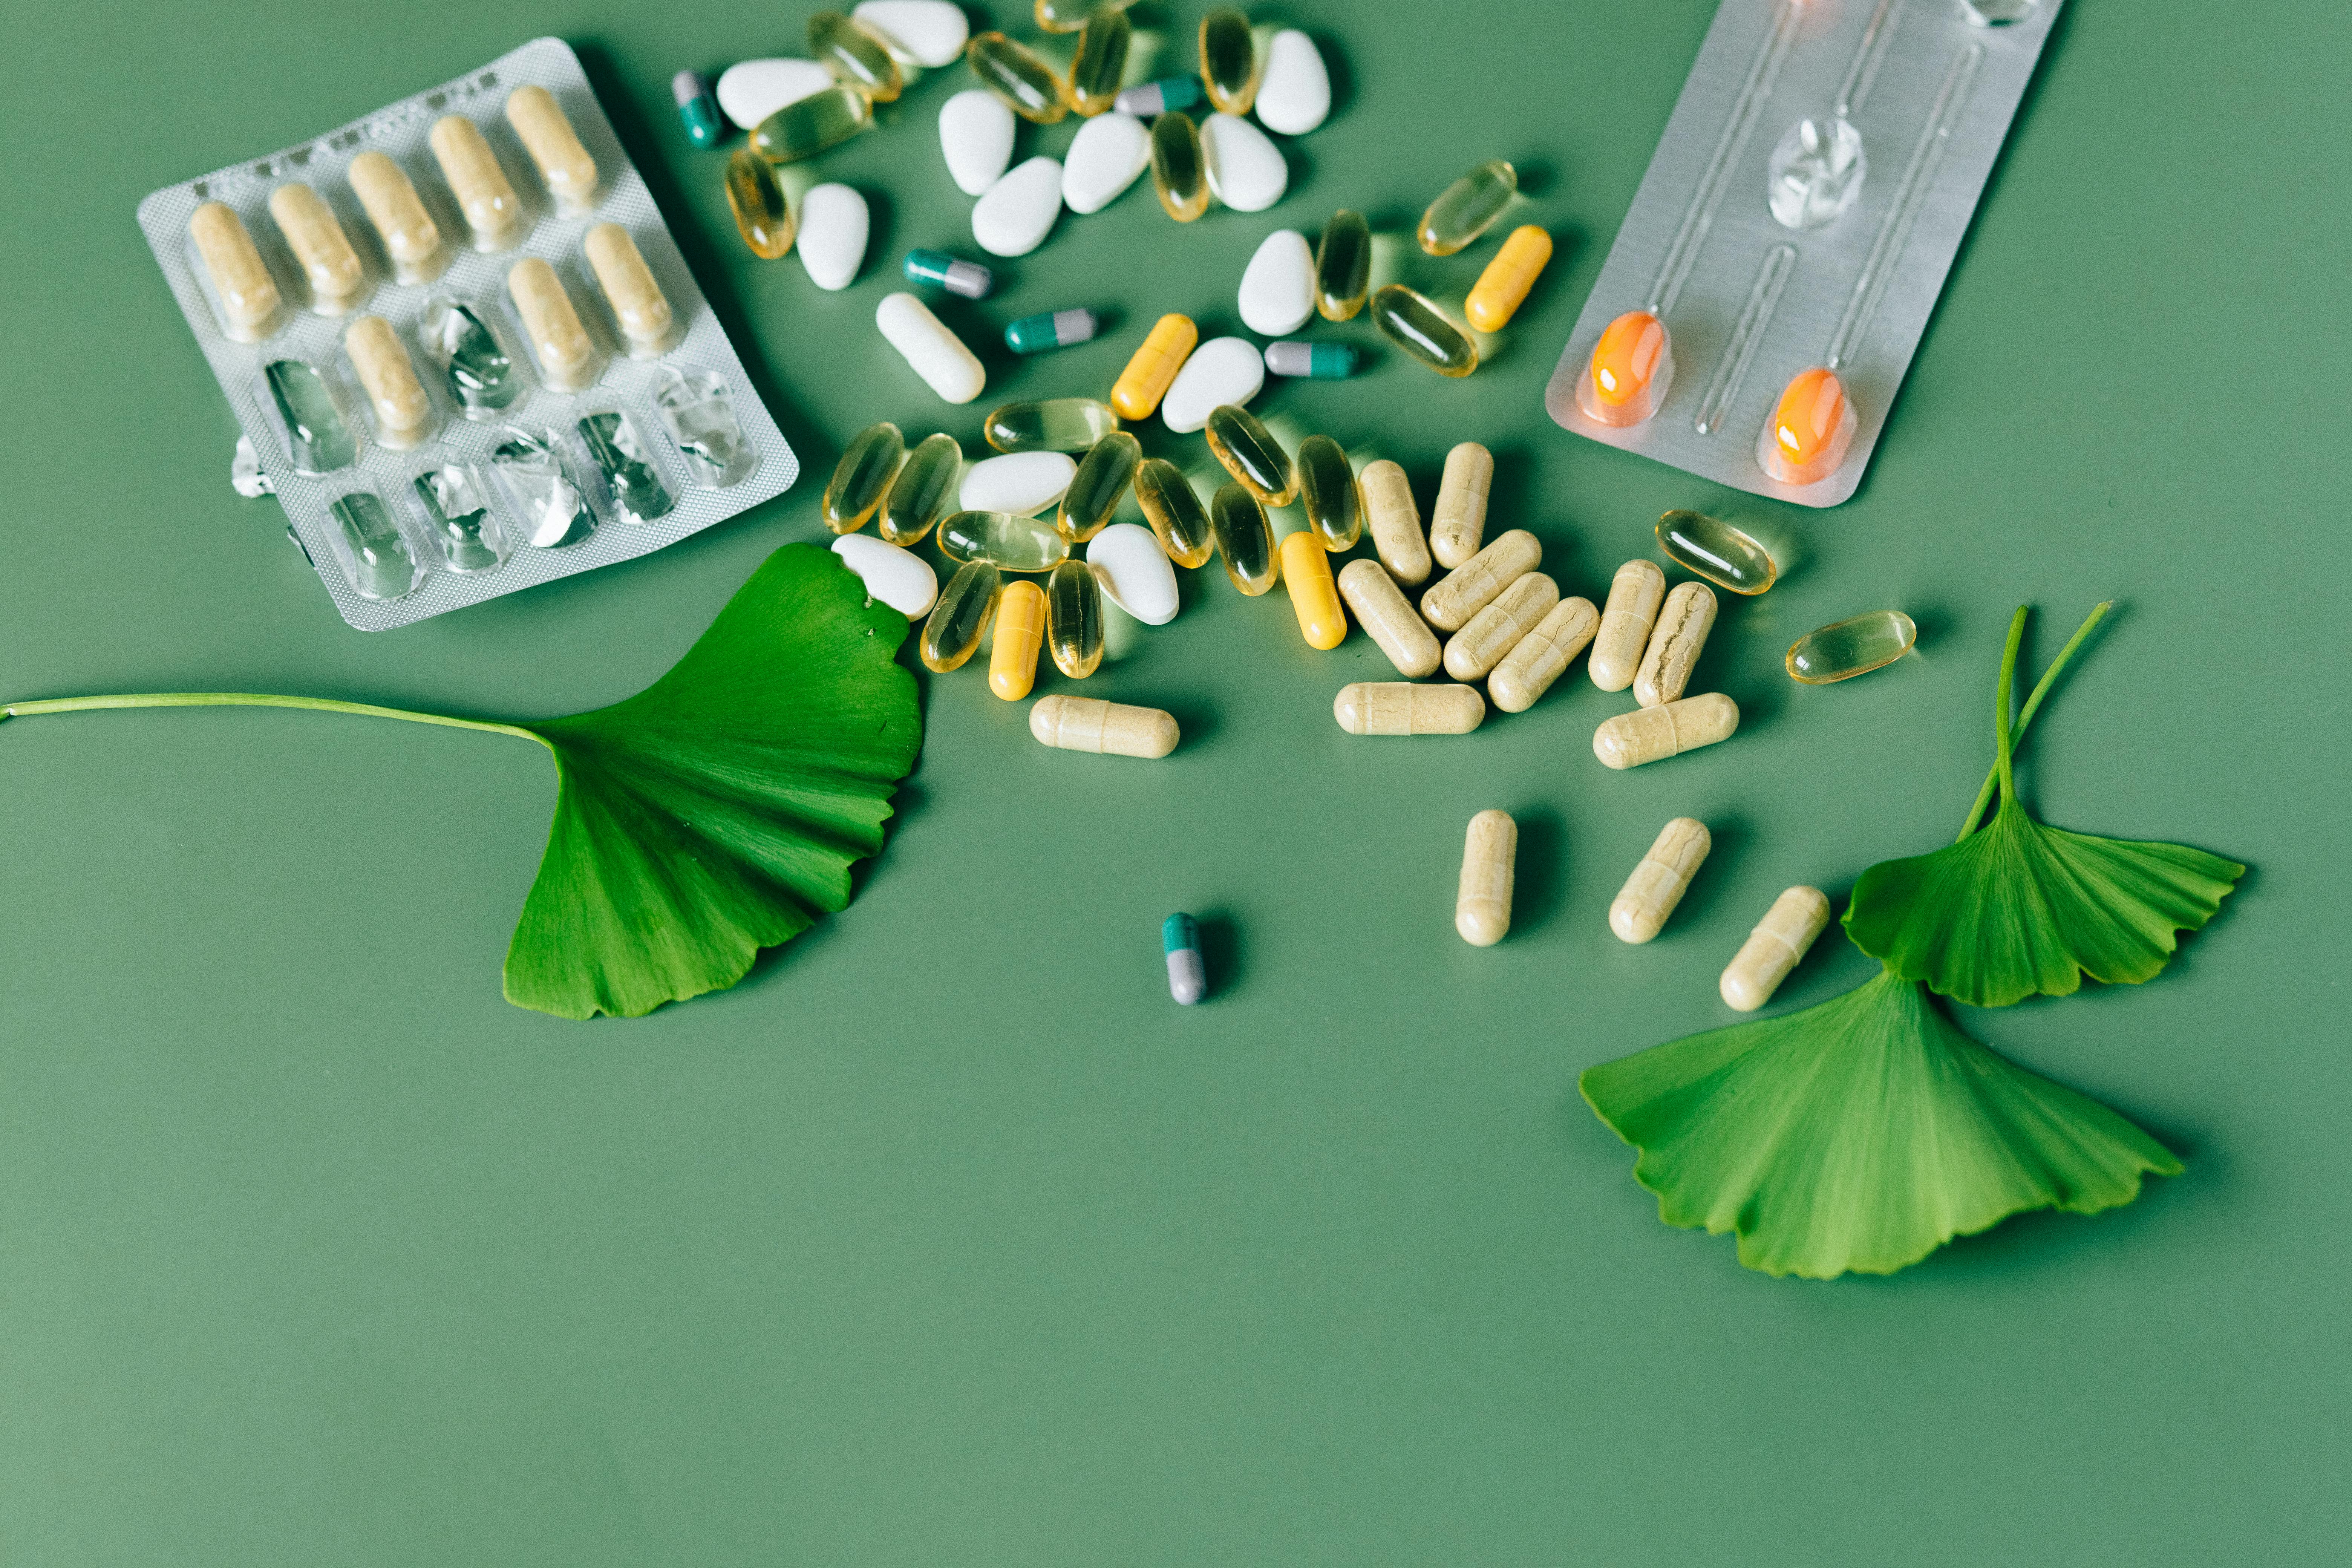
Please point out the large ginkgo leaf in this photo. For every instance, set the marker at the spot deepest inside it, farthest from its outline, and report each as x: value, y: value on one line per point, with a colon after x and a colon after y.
x: 1860, y: 1135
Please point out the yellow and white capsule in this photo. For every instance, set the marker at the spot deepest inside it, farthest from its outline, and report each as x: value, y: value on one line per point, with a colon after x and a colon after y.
x: 1659, y: 881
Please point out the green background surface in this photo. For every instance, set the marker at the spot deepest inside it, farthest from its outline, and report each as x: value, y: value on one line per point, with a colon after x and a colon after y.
x: 945, y: 1237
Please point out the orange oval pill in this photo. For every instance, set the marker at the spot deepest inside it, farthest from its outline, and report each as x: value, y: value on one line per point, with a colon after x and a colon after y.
x: 1626, y: 357
x: 1810, y: 429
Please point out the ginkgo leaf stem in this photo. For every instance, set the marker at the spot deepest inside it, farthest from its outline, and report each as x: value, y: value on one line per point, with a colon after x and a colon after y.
x: 252, y: 699
x: 2001, y: 776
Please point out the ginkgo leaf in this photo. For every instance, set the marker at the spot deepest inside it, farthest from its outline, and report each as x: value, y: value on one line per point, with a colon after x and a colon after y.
x: 1859, y: 1136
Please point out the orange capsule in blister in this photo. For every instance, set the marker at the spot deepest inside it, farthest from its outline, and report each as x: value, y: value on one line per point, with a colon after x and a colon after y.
x: 1633, y: 366
x: 1810, y: 430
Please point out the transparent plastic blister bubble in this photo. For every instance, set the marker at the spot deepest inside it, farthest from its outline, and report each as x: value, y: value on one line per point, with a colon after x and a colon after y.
x: 1768, y: 289
x: 439, y: 429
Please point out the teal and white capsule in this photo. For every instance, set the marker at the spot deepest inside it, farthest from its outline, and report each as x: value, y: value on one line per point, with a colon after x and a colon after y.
x: 1322, y: 361
x: 1188, y: 977
x: 1168, y: 95
x: 954, y: 274
x: 1051, y: 329
x: 698, y: 111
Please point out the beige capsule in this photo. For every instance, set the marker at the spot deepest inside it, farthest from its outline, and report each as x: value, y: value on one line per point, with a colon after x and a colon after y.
x: 569, y: 172
x: 249, y: 301
x: 1775, y: 947
x: 1495, y: 630
x: 403, y: 415
x: 330, y: 265
x: 1653, y: 734
x: 1634, y: 594
x: 1459, y: 521
x: 1395, y: 522
x: 1110, y: 728
x: 1477, y: 581
x: 566, y: 355
x: 637, y: 300
x: 1389, y: 617
x: 410, y: 236
x: 1542, y: 656
x: 1640, y: 910
x: 1676, y: 639
x: 493, y: 212
x: 1403, y: 708
x: 1482, y: 904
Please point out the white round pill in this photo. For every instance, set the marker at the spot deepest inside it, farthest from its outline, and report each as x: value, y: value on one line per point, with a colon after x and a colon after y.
x: 1277, y: 292
x: 1105, y: 157
x: 1013, y: 216
x: 1247, y: 172
x: 976, y: 135
x: 832, y: 241
x: 917, y: 32
x: 750, y: 91
x: 1133, y: 571
x: 899, y: 578
x: 1294, y: 93
x: 1221, y: 370
x: 1022, y: 483
x: 937, y: 354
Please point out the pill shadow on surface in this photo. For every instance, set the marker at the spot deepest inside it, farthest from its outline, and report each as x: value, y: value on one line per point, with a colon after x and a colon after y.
x: 1195, y: 722
x: 881, y: 236
x: 1537, y: 175
x: 1336, y: 67
x: 1221, y: 951
x: 1540, y: 873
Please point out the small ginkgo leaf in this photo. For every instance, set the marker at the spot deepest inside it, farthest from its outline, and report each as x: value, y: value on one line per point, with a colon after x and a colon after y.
x: 1859, y: 1136
x: 718, y: 810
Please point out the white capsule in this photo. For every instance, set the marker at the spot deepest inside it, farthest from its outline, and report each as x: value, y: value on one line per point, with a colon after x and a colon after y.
x: 1105, y: 157
x: 1022, y: 483
x: 1221, y: 370
x: 976, y: 136
x: 750, y: 91
x: 1774, y: 948
x: 1133, y: 572
x: 899, y: 578
x: 937, y: 354
x: 1640, y: 910
x: 917, y: 32
x: 1294, y: 93
x: 1482, y: 905
x: 1247, y: 172
x: 832, y: 241
x: 1277, y: 293
x: 1014, y: 214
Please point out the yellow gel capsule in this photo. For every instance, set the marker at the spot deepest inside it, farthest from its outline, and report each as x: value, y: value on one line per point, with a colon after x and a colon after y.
x: 637, y: 298
x: 1069, y: 16
x: 1395, y: 522
x: 545, y: 130
x: 1497, y: 630
x: 1314, y: 598
x: 1774, y: 948
x: 855, y: 57
x: 960, y: 617
x: 1388, y: 618
x: 1101, y: 61
x: 249, y: 301
x: 1097, y: 488
x: 1074, y: 619
x: 1632, y: 368
x: 1810, y: 430
x: 1238, y: 524
x: 756, y: 197
x: 566, y: 355
x: 1503, y: 287
x: 807, y: 126
x: 1175, y: 510
x: 1020, y: 76
x: 1542, y: 656
x: 1152, y: 369
x: 485, y: 195
x: 1467, y: 209
x: 1055, y: 425
x: 1653, y: 734
x: 1020, y: 633
x: 1482, y: 902
x: 410, y: 236
x: 1229, y: 60
x: 1328, y: 490
x: 863, y: 476
x: 1659, y: 880
x: 1106, y: 729
x: 1676, y: 641
x: 1472, y: 585
x: 1179, y: 171
x: 923, y: 491
x: 1240, y: 440
x: 1404, y: 707
x: 1458, y: 523
x: 1416, y: 325
x: 1856, y: 646
x: 1008, y: 542
x: 1635, y: 595
x: 1709, y: 547
x: 330, y: 265
x: 1343, y: 266
x: 403, y: 415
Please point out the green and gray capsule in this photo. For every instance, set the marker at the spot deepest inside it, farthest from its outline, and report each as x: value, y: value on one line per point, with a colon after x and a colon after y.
x: 1051, y: 329
x: 1188, y: 976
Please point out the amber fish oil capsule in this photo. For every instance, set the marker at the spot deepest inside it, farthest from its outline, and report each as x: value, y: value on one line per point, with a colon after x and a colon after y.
x: 1459, y: 519
x: 1187, y: 978
x: 862, y: 478
x: 1151, y: 369
x: 756, y: 197
x: 1239, y: 441
x: 1635, y: 595
x: 1856, y: 646
x: 1504, y: 286
x: 1640, y: 910
x: 1472, y: 585
x: 563, y: 165
x: 1482, y: 900
x: 1097, y: 488
x: 1497, y: 627
x: 1237, y: 522
x: 1343, y: 266
x: 494, y: 213
x: 1395, y: 521
x: 1327, y: 489
x: 1020, y: 76
x: 1676, y: 641
x: 1051, y: 329
x: 1007, y: 543
x: 330, y: 265
x: 410, y: 236
x: 639, y: 306
x: 1229, y: 68
x: 1306, y: 572
x: 807, y: 126
x: 1180, y: 171
x: 1777, y: 945
x: 1106, y: 729
x: 1653, y: 734
x: 1416, y: 325
x: 250, y: 304
x: 567, y: 357
x: 1074, y: 619
x: 960, y: 617
x: 1175, y: 510
x: 855, y: 56
x: 1388, y: 618
x: 1408, y: 708
x: 1101, y: 60
x: 1710, y: 547
x: 1054, y: 424
x: 923, y: 490
x: 1020, y: 633
x: 1542, y: 656
x: 1467, y: 208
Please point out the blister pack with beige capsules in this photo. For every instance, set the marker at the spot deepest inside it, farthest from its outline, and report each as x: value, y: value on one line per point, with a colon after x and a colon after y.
x: 1765, y: 293
x: 463, y: 345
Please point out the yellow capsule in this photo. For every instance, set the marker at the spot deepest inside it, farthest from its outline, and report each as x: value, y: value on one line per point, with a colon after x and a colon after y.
x: 1328, y: 490
x: 403, y: 415
x: 1020, y: 76
x: 1659, y: 880
x: 410, y: 236
x: 807, y: 126
x: 1106, y: 729
x: 1055, y: 425
x: 554, y: 147
x: 1653, y: 734
x: 1388, y: 618
x: 1418, y: 327
x: 863, y: 476
x: 1710, y: 547
x: 639, y: 306
x: 1465, y: 209
x: 1074, y: 619
x: 1175, y: 510
x: 923, y: 491
x: 855, y: 57
x: 1542, y: 656
x: 1632, y: 369
x: 330, y: 265
x: 756, y: 196
x: 1313, y: 598
x: 567, y: 355
x: 1101, y: 60
x: 1497, y: 630
x: 1152, y: 369
x: 249, y: 301
x: 1856, y: 646
x: 1810, y: 430
x: 1240, y: 440
x: 960, y: 617
x: 1404, y: 707
x: 1472, y: 585
x: 1395, y: 522
x: 1458, y: 523
x: 1069, y: 16
x: 485, y: 195
x: 1503, y: 287
x: 1681, y: 631
x: 1020, y: 633
x: 1635, y: 595
x: 1774, y: 948
x: 1238, y: 523
x: 1179, y: 171
x: 1229, y: 67
x: 1482, y: 903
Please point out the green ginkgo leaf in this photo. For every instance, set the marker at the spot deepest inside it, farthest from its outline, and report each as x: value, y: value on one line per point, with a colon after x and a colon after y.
x: 1859, y: 1136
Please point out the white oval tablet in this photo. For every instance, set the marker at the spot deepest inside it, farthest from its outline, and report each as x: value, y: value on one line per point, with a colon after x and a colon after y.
x: 832, y: 240
x: 1294, y: 93
x: 899, y: 578
x: 1221, y: 370
x: 976, y: 135
x: 1247, y: 172
x: 1134, y: 572
x: 1277, y: 293
x: 750, y: 91
x: 917, y: 32
x: 1022, y: 483
x: 1108, y: 152
x: 937, y: 354
x: 1016, y: 212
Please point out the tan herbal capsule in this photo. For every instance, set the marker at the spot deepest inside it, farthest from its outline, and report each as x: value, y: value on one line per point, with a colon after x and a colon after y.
x: 1675, y: 642
x: 249, y: 295
x: 1111, y: 728
x: 403, y: 415
x: 637, y: 300
x: 1658, y: 883
x: 1634, y: 594
x: 566, y: 356
x: 1482, y: 907
x: 410, y: 236
x: 1543, y: 655
x: 1652, y: 734
x: 547, y: 135
x: 328, y: 263
x: 1475, y: 583
x: 1389, y: 617
x: 493, y: 212
x: 1402, y: 708
x: 1495, y: 630
x: 1775, y: 947
x: 1395, y: 522
x: 1459, y: 521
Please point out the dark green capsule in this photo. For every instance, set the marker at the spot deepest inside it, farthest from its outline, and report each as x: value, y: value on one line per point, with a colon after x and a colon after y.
x: 1243, y: 538
x: 1240, y: 440
x: 1343, y: 266
x: 920, y: 495
x: 1074, y: 619
x: 1327, y: 489
x: 863, y: 476
x: 381, y: 566
x: 318, y: 438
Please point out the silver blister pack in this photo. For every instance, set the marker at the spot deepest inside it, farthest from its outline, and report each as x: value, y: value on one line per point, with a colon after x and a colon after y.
x: 532, y: 456
x: 1800, y: 212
